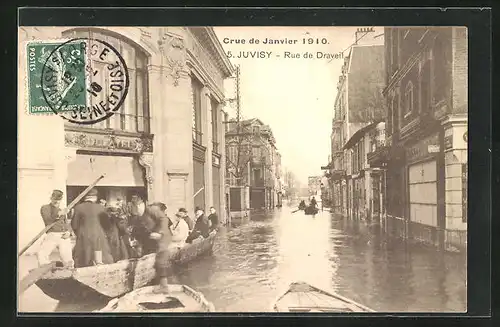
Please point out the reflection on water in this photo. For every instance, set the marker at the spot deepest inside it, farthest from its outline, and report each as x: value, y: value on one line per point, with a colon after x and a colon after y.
x: 254, y: 262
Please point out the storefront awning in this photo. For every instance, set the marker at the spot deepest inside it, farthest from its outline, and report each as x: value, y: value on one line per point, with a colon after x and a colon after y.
x: 119, y: 170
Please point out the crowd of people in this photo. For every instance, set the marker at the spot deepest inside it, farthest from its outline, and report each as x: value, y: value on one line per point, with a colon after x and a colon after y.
x: 107, y: 233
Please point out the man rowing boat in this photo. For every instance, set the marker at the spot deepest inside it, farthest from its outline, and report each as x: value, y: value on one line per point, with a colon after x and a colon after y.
x: 59, y: 235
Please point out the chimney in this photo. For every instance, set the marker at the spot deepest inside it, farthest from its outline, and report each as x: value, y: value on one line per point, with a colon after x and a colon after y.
x: 362, y: 32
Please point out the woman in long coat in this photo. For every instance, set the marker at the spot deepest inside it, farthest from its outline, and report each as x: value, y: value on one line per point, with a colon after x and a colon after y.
x: 92, y: 247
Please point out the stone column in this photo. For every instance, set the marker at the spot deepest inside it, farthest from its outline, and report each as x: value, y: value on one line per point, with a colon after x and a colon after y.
x: 455, y: 156
x: 206, y: 122
x: 146, y: 160
x: 222, y: 171
x: 156, y: 188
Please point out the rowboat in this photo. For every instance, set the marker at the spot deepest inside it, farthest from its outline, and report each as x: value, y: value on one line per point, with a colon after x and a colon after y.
x: 181, y: 298
x: 311, y: 210
x: 116, y: 279
x: 302, y: 297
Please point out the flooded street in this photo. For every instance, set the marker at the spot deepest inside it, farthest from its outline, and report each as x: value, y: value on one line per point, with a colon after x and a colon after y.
x: 254, y: 262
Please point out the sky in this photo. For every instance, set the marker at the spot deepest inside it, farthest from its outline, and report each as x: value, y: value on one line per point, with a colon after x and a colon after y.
x: 294, y: 96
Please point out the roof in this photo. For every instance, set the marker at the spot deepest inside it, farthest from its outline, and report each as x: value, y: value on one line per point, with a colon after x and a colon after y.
x: 246, y: 123
x: 359, y: 134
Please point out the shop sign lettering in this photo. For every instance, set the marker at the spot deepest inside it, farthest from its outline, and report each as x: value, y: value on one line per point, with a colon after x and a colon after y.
x: 421, y: 149
x: 108, y: 142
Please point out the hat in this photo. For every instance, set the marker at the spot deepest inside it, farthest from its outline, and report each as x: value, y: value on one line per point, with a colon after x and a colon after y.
x: 92, y: 192
x: 56, y: 195
x: 198, y: 208
x: 183, y: 210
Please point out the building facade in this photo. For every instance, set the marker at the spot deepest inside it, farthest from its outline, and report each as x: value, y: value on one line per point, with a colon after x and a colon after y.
x: 426, y: 93
x: 253, y: 161
x: 165, y: 142
x: 367, y: 194
x: 359, y: 102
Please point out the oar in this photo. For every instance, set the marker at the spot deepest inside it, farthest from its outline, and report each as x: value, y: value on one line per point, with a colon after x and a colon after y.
x: 69, y: 207
x: 201, y: 189
x: 34, y: 275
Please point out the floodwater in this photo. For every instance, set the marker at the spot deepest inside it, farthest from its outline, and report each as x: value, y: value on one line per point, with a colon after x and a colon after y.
x: 254, y: 262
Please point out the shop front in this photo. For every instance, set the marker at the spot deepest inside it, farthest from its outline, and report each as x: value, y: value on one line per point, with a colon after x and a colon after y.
x: 123, y: 160
x: 422, y: 189
x: 377, y: 160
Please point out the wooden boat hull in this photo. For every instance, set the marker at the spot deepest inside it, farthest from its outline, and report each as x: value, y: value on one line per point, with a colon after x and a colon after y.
x: 116, y: 279
x: 302, y: 297
x: 310, y: 211
x: 181, y: 298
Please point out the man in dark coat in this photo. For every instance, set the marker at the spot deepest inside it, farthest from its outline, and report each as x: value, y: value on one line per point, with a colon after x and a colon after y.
x: 213, y: 219
x: 144, y: 225
x: 201, y: 227
x: 92, y: 247
x: 160, y: 233
x: 313, y: 202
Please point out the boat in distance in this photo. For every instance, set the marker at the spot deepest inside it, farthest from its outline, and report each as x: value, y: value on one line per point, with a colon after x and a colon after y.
x: 300, y: 297
x: 180, y: 298
x: 116, y: 279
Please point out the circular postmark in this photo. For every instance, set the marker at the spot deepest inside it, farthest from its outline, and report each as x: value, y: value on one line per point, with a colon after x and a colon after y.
x: 84, y: 80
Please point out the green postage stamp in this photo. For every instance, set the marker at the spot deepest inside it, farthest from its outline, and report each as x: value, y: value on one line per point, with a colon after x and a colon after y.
x: 82, y: 80
x: 56, y: 76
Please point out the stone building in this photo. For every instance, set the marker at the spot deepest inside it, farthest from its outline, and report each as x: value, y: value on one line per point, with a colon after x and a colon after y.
x: 359, y: 102
x: 367, y: 192
x: 426, y: 93
x: 254, y: 163
x: 165, y: 143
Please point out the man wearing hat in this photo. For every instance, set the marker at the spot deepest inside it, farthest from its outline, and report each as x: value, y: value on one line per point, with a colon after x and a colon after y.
x: 183, y: 213
x: 92, y: 247
x: 201, y: 227
x: 58, y: 236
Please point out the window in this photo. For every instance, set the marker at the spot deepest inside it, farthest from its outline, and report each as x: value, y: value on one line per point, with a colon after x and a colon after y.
x: 256, y: 152
x: 257, y: 177
x: 215, y: 123
x: 232, y: 154
x: 133, y: 115
x: 408, y: 104
x: 196, y: 87
x: 255, y: 129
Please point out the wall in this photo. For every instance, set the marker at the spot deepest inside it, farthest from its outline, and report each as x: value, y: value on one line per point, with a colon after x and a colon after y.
x: 459, y: 69
x: 365, y: 84
x: 41, y: 156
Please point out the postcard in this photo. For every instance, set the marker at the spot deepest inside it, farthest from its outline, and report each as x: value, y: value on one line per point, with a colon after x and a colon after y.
x: 242, y: 169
